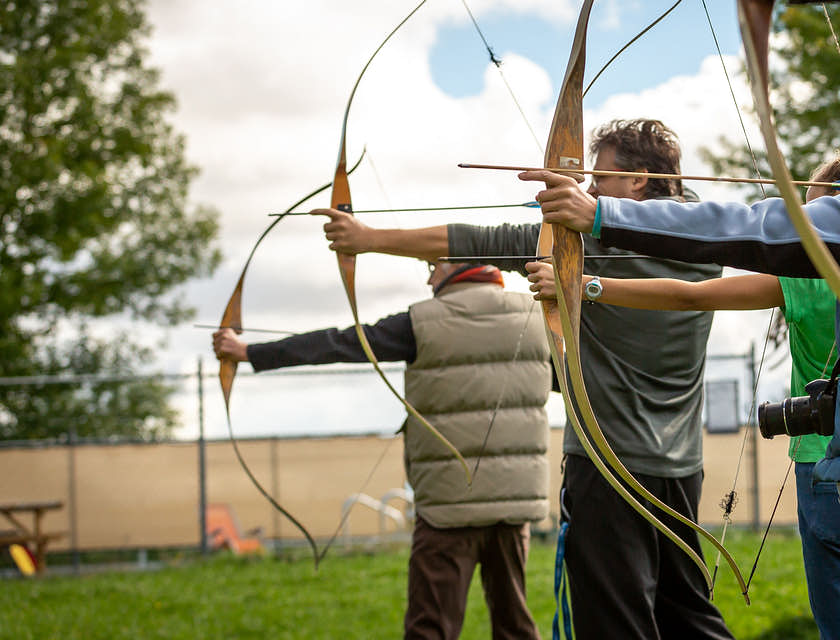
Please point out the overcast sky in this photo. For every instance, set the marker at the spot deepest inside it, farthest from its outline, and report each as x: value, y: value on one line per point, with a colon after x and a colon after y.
x: 261, y: 89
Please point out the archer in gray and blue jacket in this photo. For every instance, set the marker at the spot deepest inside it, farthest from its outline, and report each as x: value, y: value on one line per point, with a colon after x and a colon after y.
x: 758, y: 237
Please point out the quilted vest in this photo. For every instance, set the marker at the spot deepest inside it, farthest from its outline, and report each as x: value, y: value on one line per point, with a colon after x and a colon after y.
x: 482, y: 354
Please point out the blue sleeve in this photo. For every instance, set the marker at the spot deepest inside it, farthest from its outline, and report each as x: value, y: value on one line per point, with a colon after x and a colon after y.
x: 759, y: 237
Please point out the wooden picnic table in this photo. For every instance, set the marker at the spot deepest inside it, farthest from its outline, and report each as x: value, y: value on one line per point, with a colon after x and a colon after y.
x: 24, y: 534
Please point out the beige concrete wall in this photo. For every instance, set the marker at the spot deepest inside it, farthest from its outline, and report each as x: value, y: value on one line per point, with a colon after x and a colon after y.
x: 720, y: 455
x: 139, y: 495
x: 35, y: 475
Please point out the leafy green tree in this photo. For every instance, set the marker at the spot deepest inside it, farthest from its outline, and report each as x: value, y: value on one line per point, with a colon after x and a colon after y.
x: 94, y: 219
x: 805, y: 76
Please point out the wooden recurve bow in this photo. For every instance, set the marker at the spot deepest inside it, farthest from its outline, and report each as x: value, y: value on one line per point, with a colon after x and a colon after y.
x: 562, y: 316
x: 232, y: 317
x: 342, y: 201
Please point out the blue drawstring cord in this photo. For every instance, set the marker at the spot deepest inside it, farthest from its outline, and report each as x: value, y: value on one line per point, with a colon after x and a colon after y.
x: 560, y: 594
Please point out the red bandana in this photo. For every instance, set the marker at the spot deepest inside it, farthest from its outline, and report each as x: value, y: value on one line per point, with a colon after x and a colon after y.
x: 481, y: 273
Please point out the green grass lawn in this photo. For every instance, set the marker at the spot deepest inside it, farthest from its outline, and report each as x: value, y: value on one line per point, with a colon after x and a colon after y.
x: 354, y: 595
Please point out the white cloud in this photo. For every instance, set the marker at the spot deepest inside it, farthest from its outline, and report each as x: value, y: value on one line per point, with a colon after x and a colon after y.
x: 262, y: 89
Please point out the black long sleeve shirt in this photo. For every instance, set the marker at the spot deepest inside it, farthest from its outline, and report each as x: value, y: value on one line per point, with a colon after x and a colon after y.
x: 391, y: 338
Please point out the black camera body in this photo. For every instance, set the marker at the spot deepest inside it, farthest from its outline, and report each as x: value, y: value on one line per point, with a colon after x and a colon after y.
x: 813, y: 413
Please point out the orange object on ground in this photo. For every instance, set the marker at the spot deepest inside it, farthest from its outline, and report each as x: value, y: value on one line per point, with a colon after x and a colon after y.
x: 224, y: 531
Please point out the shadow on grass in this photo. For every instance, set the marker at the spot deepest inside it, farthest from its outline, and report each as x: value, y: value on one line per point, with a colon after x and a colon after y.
x: 793, y: 628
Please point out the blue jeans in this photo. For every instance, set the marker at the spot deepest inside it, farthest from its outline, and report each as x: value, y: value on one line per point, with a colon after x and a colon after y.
x: 819, y: 528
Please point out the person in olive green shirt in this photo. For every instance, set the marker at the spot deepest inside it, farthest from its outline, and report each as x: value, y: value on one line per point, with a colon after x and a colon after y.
x: 809, y: 309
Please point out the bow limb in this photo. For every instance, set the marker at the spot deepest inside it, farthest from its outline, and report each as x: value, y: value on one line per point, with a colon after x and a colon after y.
x: 342, y: 201
x: 755, y: 17
x: 562, y: 317
x: 232, y: 317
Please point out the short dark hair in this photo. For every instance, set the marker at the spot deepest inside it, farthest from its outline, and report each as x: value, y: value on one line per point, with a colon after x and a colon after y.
x: 828, y: 171
x: 642, y: 144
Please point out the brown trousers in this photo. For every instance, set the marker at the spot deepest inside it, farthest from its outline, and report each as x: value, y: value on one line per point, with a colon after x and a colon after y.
x: 441, y: 567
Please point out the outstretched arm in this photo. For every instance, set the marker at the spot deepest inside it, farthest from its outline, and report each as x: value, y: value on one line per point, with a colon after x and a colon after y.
x: 753, y: 291
x: 759, y: 237
x: 347, y: 234
x: 392, y: 340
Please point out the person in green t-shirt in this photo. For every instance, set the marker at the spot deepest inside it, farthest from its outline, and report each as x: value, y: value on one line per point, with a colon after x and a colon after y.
x: 809, y: 309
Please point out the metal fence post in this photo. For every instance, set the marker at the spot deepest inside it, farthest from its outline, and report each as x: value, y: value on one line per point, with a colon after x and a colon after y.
x: 202, y: 465
x: 72, y: 504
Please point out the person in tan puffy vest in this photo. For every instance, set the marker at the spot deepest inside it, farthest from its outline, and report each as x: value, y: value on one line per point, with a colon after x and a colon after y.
x: 473, y: 353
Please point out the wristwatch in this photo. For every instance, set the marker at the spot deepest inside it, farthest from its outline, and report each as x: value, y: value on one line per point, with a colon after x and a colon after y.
x: 593, y: 289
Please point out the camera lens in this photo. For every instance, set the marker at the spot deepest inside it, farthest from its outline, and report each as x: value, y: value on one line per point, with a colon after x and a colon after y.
x: 771, y: 419
x: 791, y: 417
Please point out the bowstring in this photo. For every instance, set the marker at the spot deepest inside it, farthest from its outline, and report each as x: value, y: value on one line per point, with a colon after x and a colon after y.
x: 346, y: 514
x: 734, y: 99
x: 627, y: 46
x: 731, y: 498
x: 242, y: 462
x: 505, y: 383
x: 379, y: 183
x: 497, y: 62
